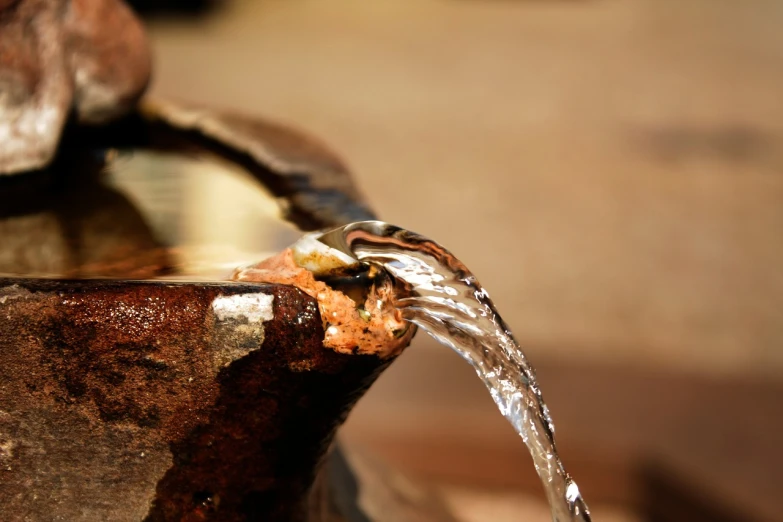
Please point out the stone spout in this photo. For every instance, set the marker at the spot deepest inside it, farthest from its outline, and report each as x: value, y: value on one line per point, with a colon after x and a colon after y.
x: 168, y: 401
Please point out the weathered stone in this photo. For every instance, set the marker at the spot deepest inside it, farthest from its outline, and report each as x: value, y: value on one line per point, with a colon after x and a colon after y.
x: 90, y: 56
x: 123, y: 400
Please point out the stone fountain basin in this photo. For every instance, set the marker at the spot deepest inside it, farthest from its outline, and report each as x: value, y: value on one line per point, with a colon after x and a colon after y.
x: 139, y: 383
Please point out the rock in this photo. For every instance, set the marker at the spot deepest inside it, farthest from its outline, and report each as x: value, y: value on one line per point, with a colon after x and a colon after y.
x: 148, y: 401
x: 59, y: 56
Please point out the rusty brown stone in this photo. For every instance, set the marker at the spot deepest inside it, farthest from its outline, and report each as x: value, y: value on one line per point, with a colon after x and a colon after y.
x: 131, y: 401
x: 57, y: 55
x: 110, y: 59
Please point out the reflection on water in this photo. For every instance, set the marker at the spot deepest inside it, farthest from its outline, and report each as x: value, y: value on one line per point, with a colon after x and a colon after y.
x: 215, y: 215
x: 138, y: 214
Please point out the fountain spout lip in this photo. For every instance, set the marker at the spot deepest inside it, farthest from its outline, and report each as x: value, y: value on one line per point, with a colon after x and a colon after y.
x: 318, y: 257
x: 340, y: 238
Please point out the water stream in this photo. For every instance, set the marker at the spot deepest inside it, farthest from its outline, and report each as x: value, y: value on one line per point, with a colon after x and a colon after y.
x: 447, y: 301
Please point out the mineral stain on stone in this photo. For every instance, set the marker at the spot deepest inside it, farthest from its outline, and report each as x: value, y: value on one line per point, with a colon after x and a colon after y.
x: 373, y: 326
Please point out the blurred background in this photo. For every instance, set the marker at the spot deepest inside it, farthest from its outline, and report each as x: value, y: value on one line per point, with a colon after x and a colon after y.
x: 611, y: 170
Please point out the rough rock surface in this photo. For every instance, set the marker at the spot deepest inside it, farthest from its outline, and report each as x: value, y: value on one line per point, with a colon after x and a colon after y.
x: 57, y: 57
x: 166, y: 401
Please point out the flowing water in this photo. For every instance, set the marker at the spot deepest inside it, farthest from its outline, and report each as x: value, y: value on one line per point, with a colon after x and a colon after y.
x: 445, y: 300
